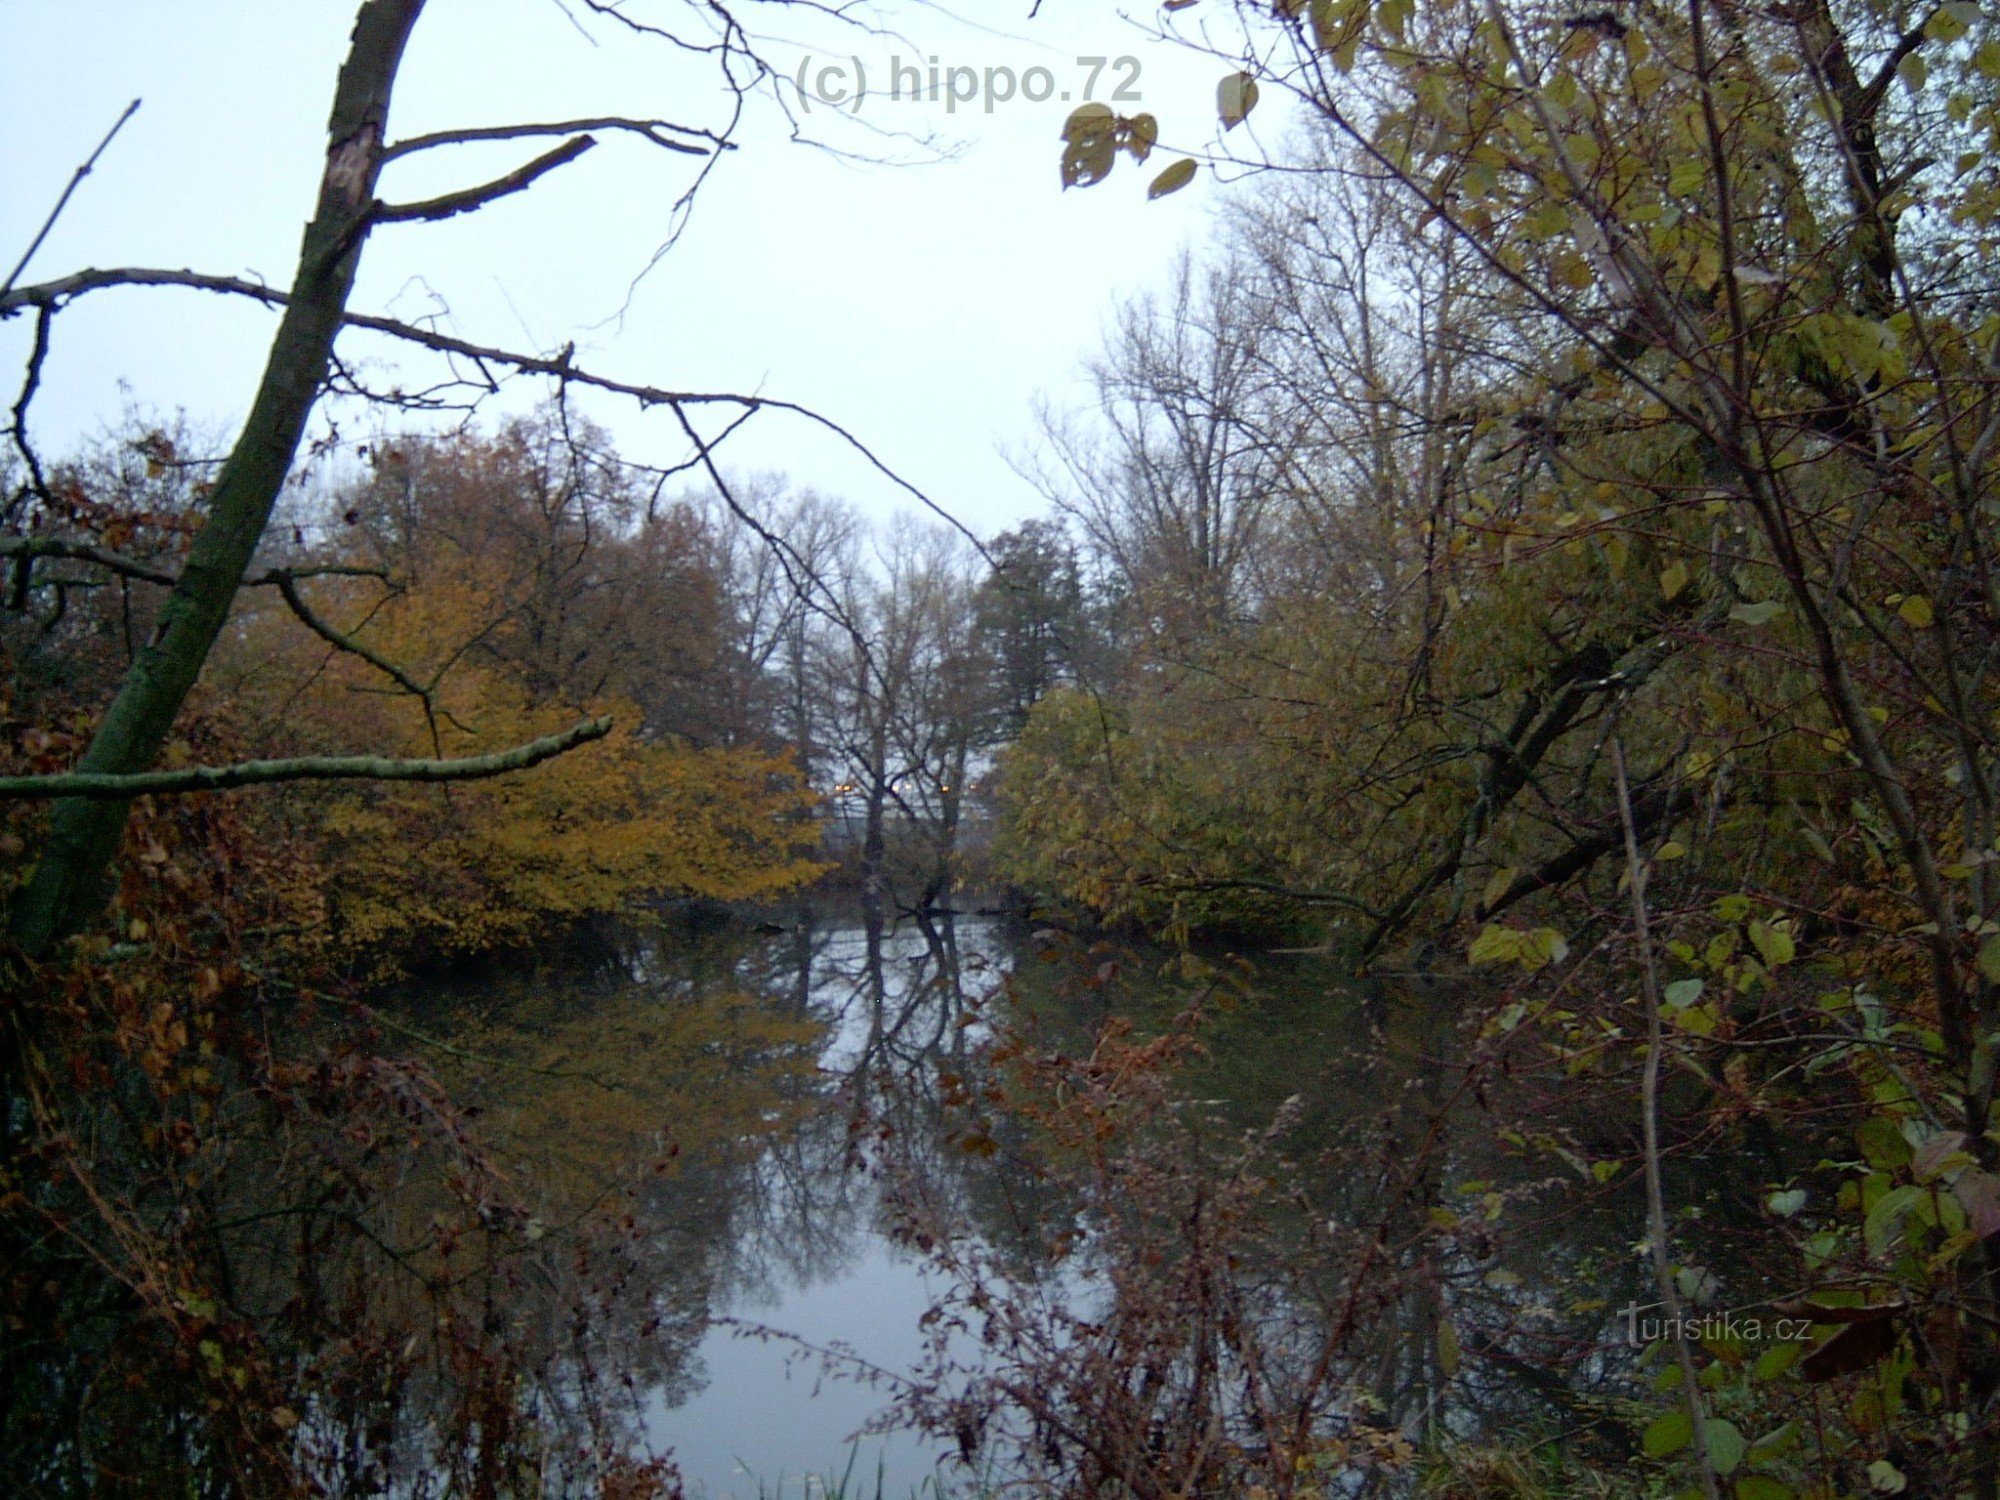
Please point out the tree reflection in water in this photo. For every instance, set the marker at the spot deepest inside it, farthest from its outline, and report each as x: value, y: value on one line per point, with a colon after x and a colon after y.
x: 1191, y: 1226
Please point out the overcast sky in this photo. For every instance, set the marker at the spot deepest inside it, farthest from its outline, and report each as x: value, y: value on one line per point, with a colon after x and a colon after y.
x: 923, y: 306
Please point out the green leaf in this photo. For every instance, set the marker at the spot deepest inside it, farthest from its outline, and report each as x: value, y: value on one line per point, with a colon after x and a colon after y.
x: 1916, y: 612
x: 1885, y: 1219
x: 1235, y: 97
x: 1545, y: 221
x: 1092, y: 133
x: 1763, y: 1487
x: 1683, y: 992
x: 1725, y: 1444
x: 1950, y: 22
x: 1448, y: 1351
x: 1088, y: 160
x: 1542, y: 947
x: 1774, y: 1361
x: 1668, y: 1435
x: 1882, y: 1143
x: 1172, y: 180
x: 1760, y: 613
x: 1785, y: 1204
x: 1141, y: 136
x: 1088, y: 120
x: 1773, y: 944
x: 1698, y: 1019
x: 1989, y: 958
x: 1673, y: 579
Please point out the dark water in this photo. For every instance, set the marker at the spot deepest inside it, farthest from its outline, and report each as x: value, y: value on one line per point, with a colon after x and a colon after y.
x: 782, y: 1087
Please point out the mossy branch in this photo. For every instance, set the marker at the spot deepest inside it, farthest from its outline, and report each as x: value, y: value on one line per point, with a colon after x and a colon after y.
x: 108, y: 787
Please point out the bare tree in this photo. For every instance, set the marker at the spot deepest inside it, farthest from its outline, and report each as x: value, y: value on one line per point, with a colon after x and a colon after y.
x: 1174, y: 483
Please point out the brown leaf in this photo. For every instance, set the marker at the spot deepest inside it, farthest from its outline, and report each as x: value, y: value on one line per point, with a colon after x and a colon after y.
x: 1978, y: 1191
x: 1855, y: 1347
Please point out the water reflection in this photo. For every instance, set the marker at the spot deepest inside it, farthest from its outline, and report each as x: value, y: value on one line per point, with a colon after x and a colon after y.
x: 803, y: 1128
x: 726, y: 1091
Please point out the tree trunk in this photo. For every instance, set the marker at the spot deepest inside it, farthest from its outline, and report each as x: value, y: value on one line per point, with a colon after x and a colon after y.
x: 70, y: 880
x: 874, y: 838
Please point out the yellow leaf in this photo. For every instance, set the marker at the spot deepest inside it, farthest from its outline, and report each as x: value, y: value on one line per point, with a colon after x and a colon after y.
x: 1448, y: 1350
x: 1496, y: 945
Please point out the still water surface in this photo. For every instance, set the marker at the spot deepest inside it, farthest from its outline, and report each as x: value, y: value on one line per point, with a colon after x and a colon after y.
x: 765, y: 1419
x: 761, y: 1072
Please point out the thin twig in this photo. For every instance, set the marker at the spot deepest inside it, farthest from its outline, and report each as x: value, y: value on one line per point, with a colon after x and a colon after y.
x: 558, y: 367
x: 76, y: 179
x: 1656, y: 1205
x: 374, y: 658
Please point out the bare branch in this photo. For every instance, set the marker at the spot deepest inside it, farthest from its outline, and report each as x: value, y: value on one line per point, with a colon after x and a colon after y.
x: 75, y: 181
x: 557, y: 367
x: 37, y: 482
x: 1653, y: 803
x: 104, y: 787
x: 288, y: 587
x: 1870, y: 98
x: 1636, y: 871
x: 469, y: 199
x: 145, y: 572
x: 651, y: 130
x: 27, y: 548
x: 271, y: 576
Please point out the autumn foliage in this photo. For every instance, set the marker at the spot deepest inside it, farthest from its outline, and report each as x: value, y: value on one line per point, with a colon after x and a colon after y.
x: 231, y: 1192
x: 511, y: 588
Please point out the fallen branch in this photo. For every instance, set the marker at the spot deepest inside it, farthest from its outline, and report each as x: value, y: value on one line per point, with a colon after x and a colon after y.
x: 108, y: 788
